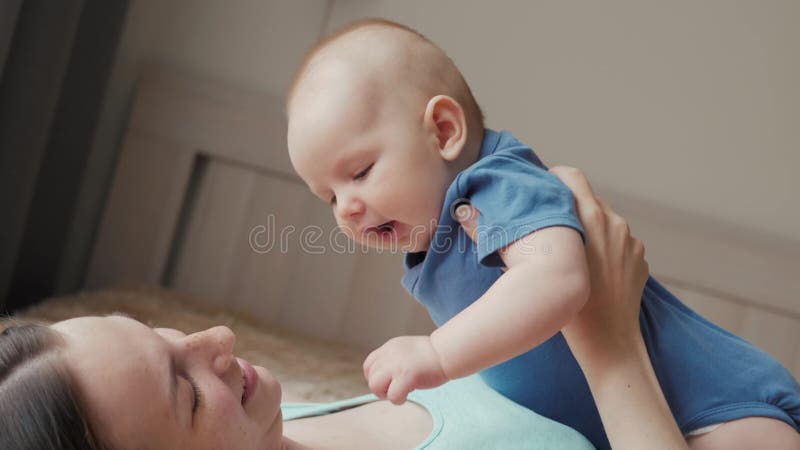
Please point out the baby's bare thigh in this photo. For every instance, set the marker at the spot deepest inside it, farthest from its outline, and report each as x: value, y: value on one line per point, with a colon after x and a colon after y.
x: 747, y: 434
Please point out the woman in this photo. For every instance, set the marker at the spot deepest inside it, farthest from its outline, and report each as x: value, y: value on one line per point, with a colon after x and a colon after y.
x: 111, y: 382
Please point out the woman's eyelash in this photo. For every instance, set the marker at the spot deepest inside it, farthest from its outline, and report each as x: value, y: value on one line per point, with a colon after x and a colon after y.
x: 197, y: 396
x: 363, y: 173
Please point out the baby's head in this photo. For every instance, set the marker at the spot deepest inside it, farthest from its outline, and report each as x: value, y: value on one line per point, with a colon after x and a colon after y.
x: 380, y: 123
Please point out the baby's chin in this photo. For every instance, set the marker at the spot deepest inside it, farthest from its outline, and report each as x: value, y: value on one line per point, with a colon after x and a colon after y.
x: 396, y: 246
x: 399, y: 238
x: 416, y: 246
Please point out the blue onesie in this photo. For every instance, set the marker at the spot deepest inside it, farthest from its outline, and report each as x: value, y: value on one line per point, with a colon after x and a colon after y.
x: 708, y: 375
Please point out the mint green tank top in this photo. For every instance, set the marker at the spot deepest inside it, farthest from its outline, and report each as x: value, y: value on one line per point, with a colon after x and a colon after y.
x: 467, y: 414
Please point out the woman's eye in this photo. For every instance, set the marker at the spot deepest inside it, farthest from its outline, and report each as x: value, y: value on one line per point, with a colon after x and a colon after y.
x: 363, y: 173
x: 197, y: 396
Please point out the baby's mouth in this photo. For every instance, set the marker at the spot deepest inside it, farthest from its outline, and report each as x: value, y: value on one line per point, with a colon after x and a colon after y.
x: 382, y: 229
x: 387, y: 226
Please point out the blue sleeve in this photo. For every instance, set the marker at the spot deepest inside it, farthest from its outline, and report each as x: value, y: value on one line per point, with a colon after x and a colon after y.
x: 515, y: 197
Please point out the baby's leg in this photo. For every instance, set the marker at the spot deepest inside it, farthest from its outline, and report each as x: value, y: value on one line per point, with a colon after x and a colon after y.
x: 747, y: 434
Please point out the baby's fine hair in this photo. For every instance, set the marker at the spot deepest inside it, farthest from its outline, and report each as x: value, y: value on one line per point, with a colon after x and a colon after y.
x: 39, y: 404
x: 426, y: 64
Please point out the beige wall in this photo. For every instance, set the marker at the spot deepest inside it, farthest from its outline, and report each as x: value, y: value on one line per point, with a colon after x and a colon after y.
x: 254, y: 44
x: 694, y: 105
x: 667, y: 105
x: 248, y: 43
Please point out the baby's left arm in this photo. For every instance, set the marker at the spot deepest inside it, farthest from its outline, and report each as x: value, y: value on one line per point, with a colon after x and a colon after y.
x: 546, y: 284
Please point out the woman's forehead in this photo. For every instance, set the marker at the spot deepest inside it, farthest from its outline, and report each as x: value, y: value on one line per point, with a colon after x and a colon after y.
x: 113, y: 346
x: 121, y: 370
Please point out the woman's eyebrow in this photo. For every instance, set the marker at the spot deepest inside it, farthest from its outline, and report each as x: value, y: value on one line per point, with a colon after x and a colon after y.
x: 170, y: 372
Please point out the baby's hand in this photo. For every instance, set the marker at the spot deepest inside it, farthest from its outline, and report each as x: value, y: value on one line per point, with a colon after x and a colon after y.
x: 401, y: 365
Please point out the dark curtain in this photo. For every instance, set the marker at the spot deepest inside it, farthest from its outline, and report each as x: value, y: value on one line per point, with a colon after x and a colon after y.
x: 58, y: 59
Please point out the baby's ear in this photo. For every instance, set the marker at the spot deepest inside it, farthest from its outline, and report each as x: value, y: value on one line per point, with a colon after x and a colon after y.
x: 445, y: 117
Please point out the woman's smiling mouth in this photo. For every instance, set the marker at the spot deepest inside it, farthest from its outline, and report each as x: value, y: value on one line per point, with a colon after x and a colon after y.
x: 249, y: 380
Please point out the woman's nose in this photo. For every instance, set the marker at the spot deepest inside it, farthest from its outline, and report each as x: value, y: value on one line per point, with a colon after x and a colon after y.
x: 214, y: 346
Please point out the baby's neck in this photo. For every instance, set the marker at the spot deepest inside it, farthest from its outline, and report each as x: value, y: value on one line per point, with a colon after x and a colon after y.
x: 469, y: 154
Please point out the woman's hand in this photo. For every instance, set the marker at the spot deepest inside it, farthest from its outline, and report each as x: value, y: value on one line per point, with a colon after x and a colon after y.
x: 609, y: 323
x: 604, y: 336
x: 608, y: 326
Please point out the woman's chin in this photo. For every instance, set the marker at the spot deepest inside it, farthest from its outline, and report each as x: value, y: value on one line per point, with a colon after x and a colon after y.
x: 269, y: 415
x: 270, y: 385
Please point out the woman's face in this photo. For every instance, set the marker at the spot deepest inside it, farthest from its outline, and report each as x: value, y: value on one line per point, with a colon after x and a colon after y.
x: 161, y: 389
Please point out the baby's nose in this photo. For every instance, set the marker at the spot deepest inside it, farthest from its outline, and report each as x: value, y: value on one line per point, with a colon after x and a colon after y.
x: 349, y: 207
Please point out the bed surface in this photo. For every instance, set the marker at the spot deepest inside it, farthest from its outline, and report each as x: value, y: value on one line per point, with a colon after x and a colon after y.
x: 309, y: 369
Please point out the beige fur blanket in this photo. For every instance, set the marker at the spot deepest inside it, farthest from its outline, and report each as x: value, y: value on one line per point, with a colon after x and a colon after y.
x: 308, y: 369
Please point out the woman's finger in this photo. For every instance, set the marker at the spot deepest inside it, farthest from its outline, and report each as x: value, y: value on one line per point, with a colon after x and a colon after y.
x: 575, y: 180
x: 590, y: 209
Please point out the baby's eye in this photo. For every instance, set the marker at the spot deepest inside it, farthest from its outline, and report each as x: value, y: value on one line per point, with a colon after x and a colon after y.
x: 333, y: 200
x: 363, y: 173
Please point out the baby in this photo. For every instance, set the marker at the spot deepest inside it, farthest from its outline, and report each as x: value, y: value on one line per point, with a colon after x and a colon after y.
x: 383, y: 126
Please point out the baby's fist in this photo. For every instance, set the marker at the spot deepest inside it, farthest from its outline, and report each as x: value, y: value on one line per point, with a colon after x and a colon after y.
x: 401, y: 365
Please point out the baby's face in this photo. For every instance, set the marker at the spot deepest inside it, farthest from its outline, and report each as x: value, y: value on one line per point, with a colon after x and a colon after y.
x: 366, y: 152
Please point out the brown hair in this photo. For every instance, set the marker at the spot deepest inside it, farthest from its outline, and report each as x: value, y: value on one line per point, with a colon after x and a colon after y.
x: 39, y: 406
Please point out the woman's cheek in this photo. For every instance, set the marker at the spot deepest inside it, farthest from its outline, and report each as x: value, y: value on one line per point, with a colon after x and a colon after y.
x: 224, y: 408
